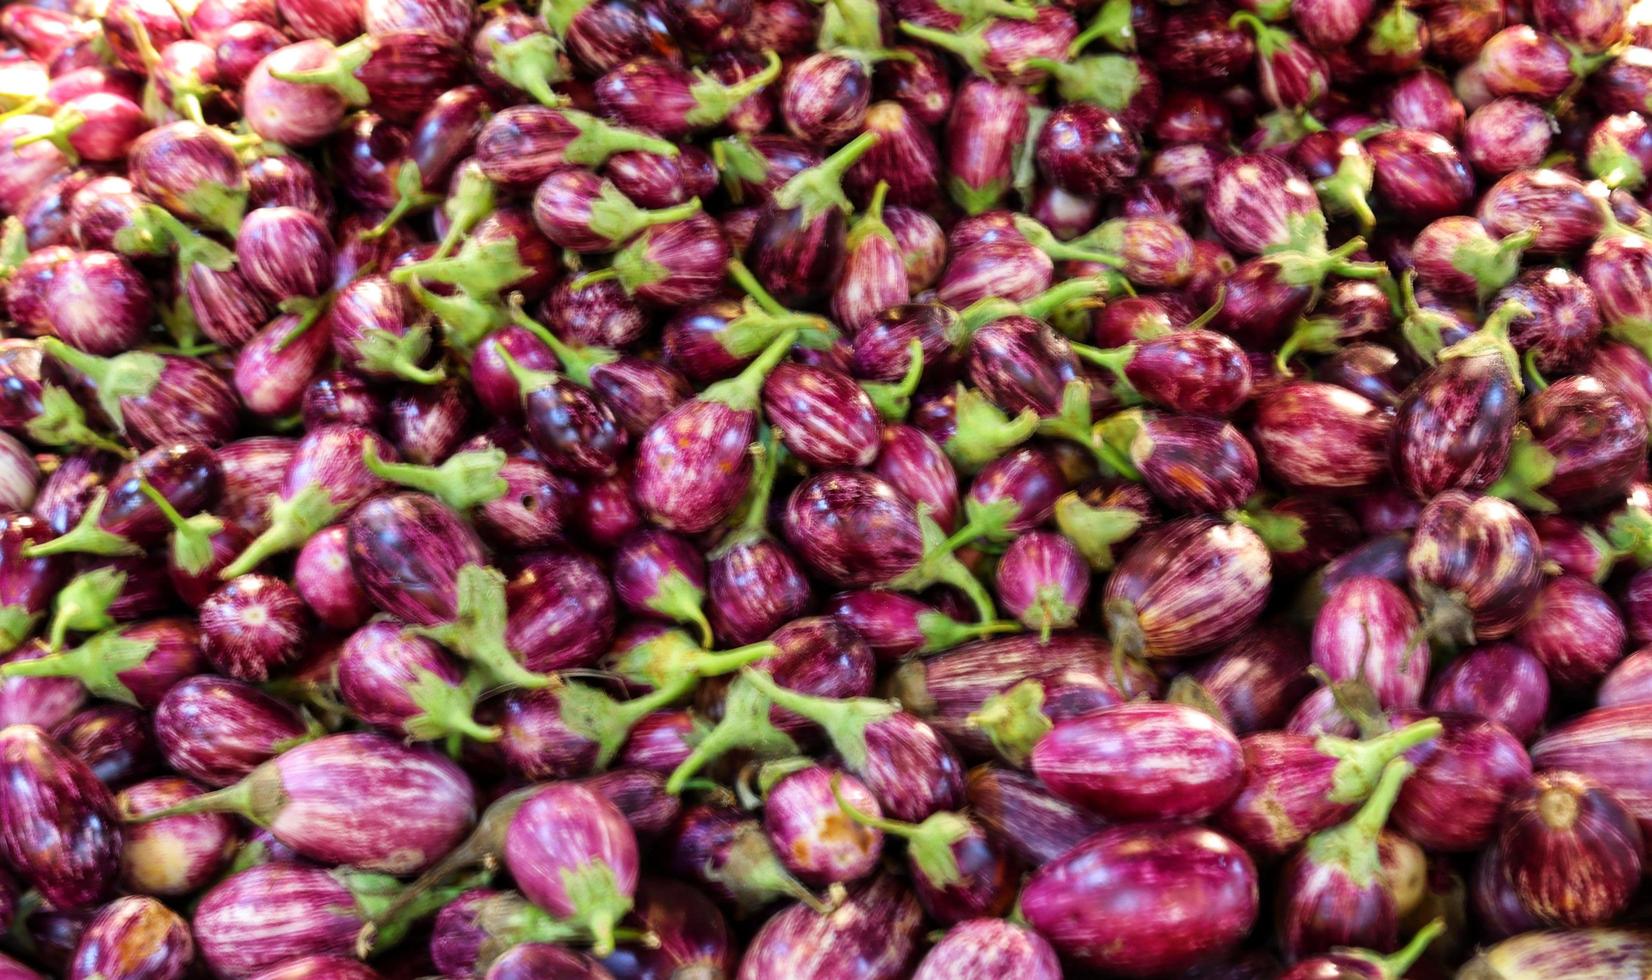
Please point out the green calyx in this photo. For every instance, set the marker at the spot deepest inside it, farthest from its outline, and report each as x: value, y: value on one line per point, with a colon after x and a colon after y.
x: 1615, y: 166
x: 598, y: 140
x: 939, y: 566
x: 1396, y: 965
x: 17, y: 624
x: 1270, y: 40
x: 671, y: 657
x: 1310, y: 268
x: 763, y: 318
x: 597, y: 901
x: 745, y: 725
x: 1107, y: 80
x: 1397, y: 31
x: 14, y: 246
x: 340, y: 76
x: 466, y: 320
x: 393, y: 355
x: 942, y: 632
x: 1282, y: 533
x: 820, y: 188
x: 191, y: 537
x: 1492, y: 265
x: 972, y: 12
x: 533, y: 64
x: 477, y: 631
x: 1184, y: 690
x: 607, y: 722
x: 131, y: 375
x: 64, y: 123
x: 1079, y: 291
x: 527, y: 379
x: 293, y: 521
x: 754, y: 874
x: 446, y: 710
x: 509, y: 920
x: 1492, y: 340
x: 929, y: 844
x: 1530, y: 468
x: 374, y: 894
x: 463, y: 481
x: 480, y: 268
x: 678, y: 599
x: 82, y: 606
x: 97, y: 664
x: 1629, y: 534
x: 1360, y: 764
x: 1112, y: 24
x: 1348, y: 190
x: 614, y: 217
x: 714, y: 100
x: 738, y: 163
x: 1096, y: 531
x: 1044, y: 240
x: 470, y: 202
x: 1422, y: 328
x: 1121, y: 441
x: 742, y: 391
x: 1352, y: 846
x: 844, y: 721
x: 870, y: 223
x: 988, y: 520
x: 972, y: 199
x: 1312, y: 335
x: 86, y: 538
x: 216, y: 205
x: 1049, y: 612
x: 153, y: 231
x: 852, y: 28
x: 1014, y: 720
x: 982, y: 432
x: 894, y: 399
x: 410, y: 196
x: 559, y: 15
x: 578, y: 360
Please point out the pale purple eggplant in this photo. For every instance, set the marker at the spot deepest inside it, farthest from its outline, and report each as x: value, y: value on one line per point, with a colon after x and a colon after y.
x: 1317, y: 436
x: 1457, y: 256
x: 253, y: 626
x: 810, y: 831
x: 1617, y: 150
x: 1260, y: 203
x: 64, y: 498
x: 325, y: 478
x: 1463, y: 779
x: 660, y: 96
x: 922, y: 245
x: 134, y: 936
x: 822, y: 416
x: 1368, y: 630
x: 191, y: 171
x: 1473, y: 565
x: 916, y: 466
x: 1598, y: 744
x: 1043, y: 581
x: 524, y: 144
x: 135, y: 664
x: 378, y: 333
x: 984, y: 131
x: 113, y: 740
x: 1562, y: 952
x: 61, y: 832
x: 29, y: 166
x: 1557, y: 209
x: 284, y: 252
x: 877, y: 929
x: 217, y: 731
x: 1095, y: 761
x: 1574, y: 630
x: 1334, y: 892
x: 1186, y: 588
x: 1501, y: 682
x: 534, y: 512
x: 266, y: 915
x: 1507, y: 134
x: 662, y: 741
x: 542, y: 960
x: 573, y: 854
x: 1419, y: 175
x: 273, y: 369
x: 157, y: 398
x: 1564, y: 322
x: 322, y: 578
x: 311, y: 797
x: 176, y: 856
x: 578, y: 210
x: 1365, y: 964
x: 654, y: 181
x: 227, y: 308
x: 1296, y: 785
x: 326, y: 967
x: 1565, y: 821
x: 1626, y: 683
x: 1193, y: 463
x: 1030, y: 821
x: 1255, y: 680
x: 823, y: 98
x: 97, y: 302
x: 1201, y: 886
x: 407, y: 684
x: 561, y: 614
x: 981, y: 949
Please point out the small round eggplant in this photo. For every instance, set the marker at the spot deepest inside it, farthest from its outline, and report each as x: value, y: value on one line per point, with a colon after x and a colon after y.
x: 179, y: 855
x: 1573, y: 853
x: 60, y: 830
x: 1462, y: 781
x: 1189, y: 587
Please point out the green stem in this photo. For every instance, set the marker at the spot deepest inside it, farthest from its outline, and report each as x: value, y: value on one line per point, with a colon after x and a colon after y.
x: 1399, y: 964
x: 714, y: 100
x: 1044, y: 240
x: 577, y: 361
x: 598, y: 140
x: 929, y: 844
x: 471, y: 201
x: 131, y: 375
x: 942, y: 632
x: 741, y: 392
x: 894, y: 400
x: 820, y: 187
x: 844, y: 721
x: 1493, y: 339
x: 464, y: 481
x: 83, y: 604
x: 745, y: 725
x: 477, y: 630
x: 293, y: 521
x: 86, y: 537
x: 64, y: 122
x: 1361, y: 763
x: 340, y: 75
x: 410, y: 195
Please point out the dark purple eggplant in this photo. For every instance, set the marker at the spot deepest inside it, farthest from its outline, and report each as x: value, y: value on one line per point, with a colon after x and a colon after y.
x: 158, y: 398
x: 1033, y: 824
x: 28, y: 585
x: 798, y: 245
x: 176, y: 856
x: 135, y: 664
x: 61, y: 832
x: 1088, y: 903
x: 1500, y: 682
x: 114, y: 740
x: 314, y: 799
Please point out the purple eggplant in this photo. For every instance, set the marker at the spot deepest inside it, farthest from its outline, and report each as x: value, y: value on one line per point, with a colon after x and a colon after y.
x: 1189, y: 587
x: 1473, y: 565
x: 322, y: 577
x: 659, y: 573
x: 690, y: 931
x: 1092, y: 761
x: 1574, y: 630
x: 1500, y: 682
x: 1563, y: 820
x: 28, y: 585
x: 1043, y: 581
x: 409, y: 684
x: 217, y: 731
x: 61, y: 832
x: 811, y: 831
x: 1334, y: 892
x: 1562, y: 952
x: 135, y: 664
x: 253, y: 626
x: 730, y: 855
x: 158, y: 398
x: 754, y: 584
x: 134, y: 936
x: 1368, y: 630
x: 176, y: 856
x: 980, y: 949
x: 877, y: 929
x: 311, y: 797
x: 191, y: 171
x: 1087, y: 903
x: 1463, y: 779
x: 573, y: 854
x: 114, y: 740
x: 98, y: 303
x: 1032, y: 823
x: 377, y: 332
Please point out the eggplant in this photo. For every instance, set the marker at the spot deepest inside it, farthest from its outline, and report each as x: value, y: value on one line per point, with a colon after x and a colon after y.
x: 1559, y: 952
x: 1043, y: 580
x: 217, y: 731
x: 1186, y: 588
x: 179, y: 855
x: 135, y: 936
x: 135, y: 664
x: 409, y: 684
x: 573, y: 854
x: 311, y: 798
x: 805, y: 817
x: 877, y: 929
x: 1565, y: 820
x: 1473, y: 591
x: 1501, y: 682
x: 253, y: 626
x: 61, y: 832
x: 978, y: 949
x: 1201, y: 887
x: 1368, y: 630
x: 958, y: 873
x: 159, y: 398
x: 1462, y: 781
x: 114, y: 740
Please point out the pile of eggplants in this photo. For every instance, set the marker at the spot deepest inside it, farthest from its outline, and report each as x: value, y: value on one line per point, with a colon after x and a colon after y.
x: 825, y: 489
